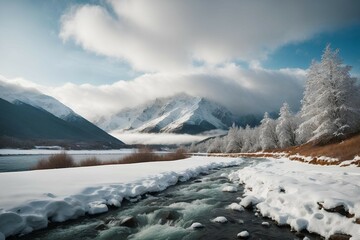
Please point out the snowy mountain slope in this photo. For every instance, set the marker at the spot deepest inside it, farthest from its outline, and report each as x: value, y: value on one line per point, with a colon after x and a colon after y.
x: 178, y: 114
x: 12, y: 93
x: 30, y: 117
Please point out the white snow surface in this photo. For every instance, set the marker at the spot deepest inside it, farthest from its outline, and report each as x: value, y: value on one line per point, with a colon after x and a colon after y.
x: 29, y: 199
x: 289, y: 192
x: 13, y: 93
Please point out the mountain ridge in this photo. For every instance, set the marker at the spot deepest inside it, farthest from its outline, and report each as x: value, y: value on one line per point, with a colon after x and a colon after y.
x: 30, y: 118
x: 177, y: 114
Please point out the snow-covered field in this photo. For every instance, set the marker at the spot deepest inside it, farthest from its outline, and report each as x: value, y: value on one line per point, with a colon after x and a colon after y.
x: 304, y: 196
x: 29, y: 199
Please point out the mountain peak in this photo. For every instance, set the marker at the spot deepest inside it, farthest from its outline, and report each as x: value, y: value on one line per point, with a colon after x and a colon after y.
x: 180, y: 113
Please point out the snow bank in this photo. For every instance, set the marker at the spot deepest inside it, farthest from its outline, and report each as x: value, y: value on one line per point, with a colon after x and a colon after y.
x: 320, y: 199
x: 30, y: 199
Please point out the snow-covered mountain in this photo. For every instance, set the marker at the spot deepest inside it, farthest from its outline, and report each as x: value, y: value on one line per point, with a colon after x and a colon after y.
x: 29, y: 117
x: 13, y: 93
x: 178, y: 114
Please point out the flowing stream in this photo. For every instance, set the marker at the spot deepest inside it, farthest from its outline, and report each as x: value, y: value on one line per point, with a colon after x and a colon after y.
x: 169, y: 214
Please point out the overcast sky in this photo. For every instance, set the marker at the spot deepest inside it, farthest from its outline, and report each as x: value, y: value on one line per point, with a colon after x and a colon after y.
x: 100, y: 56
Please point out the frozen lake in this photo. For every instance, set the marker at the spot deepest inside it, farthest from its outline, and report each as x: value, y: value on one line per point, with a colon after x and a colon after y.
x: 12, y: 160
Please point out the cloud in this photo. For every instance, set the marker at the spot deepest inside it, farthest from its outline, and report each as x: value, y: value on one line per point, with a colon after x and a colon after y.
x: 243, y: 91
x: 170, y: 35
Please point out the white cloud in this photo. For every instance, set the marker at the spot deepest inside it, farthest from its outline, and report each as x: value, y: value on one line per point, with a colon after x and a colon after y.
x: 168, y: 35
x: 243, y: 91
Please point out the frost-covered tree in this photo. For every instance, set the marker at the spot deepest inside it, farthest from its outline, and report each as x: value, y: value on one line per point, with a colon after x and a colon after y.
x: 308, y: 109
x: 247, y: 139
x: 286, y: 127
x: 234, y: 140
x: 250, y: 139
x: 255, y: 140
x: 216, y: 146
x: 267, y: 137
x: 193, y: 148
x: 328, y: 107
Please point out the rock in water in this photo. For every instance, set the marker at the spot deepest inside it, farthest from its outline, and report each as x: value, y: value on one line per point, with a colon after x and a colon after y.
x: 243, y: 234
x: 129, y: 222
x: 220, y: 219
x: 196, y: 225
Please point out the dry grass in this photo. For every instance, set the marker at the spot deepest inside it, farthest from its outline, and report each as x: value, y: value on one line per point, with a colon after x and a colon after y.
x: 146, y: 155
x: 344, y: 150
x: 93, y: 161
x: 63, y: 160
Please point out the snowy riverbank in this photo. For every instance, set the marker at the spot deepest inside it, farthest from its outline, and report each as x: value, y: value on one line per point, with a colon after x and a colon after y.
x: 29, y: 199
x: 319, y: 199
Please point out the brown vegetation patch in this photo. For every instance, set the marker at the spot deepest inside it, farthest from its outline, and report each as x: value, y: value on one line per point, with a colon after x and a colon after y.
x: 146, y: 155
x: 343, y: 150
x: 63, y: 160
x: 93, y: 161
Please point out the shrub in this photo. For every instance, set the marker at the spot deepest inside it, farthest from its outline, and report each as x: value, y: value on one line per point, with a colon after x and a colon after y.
x: 61, y: 160
x: 146, y: 155
x: 93, y: 161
